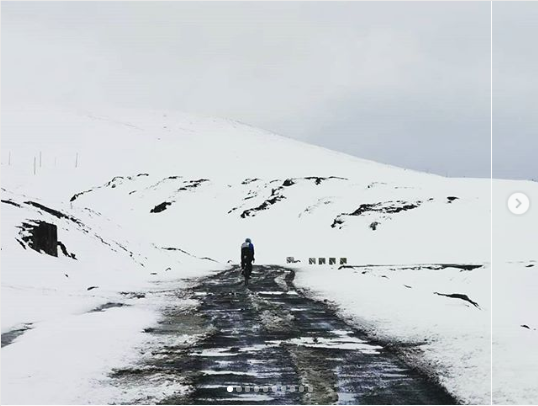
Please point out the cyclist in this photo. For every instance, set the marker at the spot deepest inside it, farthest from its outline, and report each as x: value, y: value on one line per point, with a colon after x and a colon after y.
x: 247, y: 258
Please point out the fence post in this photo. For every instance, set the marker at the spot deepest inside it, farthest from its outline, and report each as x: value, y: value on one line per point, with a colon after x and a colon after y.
x: 34, y: 165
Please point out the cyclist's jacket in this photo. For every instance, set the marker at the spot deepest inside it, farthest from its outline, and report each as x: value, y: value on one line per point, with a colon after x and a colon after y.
x: 247, y: 252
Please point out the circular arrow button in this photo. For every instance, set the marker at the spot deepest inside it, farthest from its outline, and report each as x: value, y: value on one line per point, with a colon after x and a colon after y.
x: 518, y: 203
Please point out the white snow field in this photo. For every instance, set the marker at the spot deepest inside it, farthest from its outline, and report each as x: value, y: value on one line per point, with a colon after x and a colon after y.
x: 146, y: 201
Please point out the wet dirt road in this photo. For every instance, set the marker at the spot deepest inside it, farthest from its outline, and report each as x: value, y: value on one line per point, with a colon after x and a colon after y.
x: 272, y: 345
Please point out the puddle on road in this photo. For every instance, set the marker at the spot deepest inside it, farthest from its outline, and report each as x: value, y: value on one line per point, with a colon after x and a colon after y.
x: 346, y: 398
x: 349, y: 343
x: 287, y: 292
x: 212, y: 372
x: 224, y: 352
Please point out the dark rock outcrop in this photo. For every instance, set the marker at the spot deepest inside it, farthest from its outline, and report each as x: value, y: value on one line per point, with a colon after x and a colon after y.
x: 41, y: 237
x: 458, y: 296
x: 64, y: 250
x: 7, y: 201
x: 374, y: 225
x: 160, y: 207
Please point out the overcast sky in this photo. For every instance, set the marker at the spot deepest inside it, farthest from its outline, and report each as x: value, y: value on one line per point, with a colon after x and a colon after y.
x: 515, y: 90
x: 400, y: 83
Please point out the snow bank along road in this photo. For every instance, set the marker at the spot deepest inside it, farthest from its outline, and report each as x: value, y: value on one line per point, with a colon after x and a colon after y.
x: 275, y: 346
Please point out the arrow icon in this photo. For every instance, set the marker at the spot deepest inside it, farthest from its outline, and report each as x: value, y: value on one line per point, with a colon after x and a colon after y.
x: 518, y: 203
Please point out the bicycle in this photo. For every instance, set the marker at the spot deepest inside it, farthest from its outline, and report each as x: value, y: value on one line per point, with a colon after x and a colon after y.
x: 246, y: 271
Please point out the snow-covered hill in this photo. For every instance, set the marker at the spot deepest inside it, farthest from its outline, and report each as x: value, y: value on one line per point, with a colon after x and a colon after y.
x: 222, y: 180
x: 146, y: 199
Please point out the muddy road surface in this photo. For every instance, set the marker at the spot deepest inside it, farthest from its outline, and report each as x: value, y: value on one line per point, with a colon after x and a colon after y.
x: 269, y: 344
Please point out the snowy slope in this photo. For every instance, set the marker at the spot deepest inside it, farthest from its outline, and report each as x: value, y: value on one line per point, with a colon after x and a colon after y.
x: 163, y: 196
x: 67, y: 321
x: 244, y: 168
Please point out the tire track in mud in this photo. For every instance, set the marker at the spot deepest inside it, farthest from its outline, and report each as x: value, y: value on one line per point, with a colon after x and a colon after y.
x: 276, y: 346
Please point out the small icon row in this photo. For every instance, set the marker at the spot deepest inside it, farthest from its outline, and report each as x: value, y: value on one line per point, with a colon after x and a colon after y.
x: 272, y: 388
